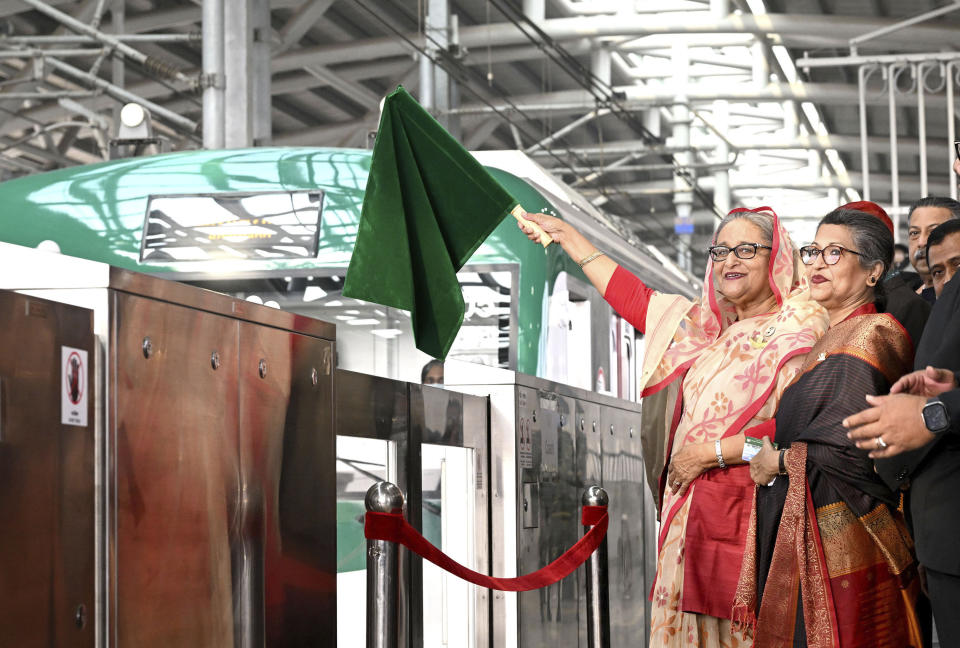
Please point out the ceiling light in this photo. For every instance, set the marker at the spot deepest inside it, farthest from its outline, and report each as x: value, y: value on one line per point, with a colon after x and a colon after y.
x: 132, y: 115
x: 312, y: 293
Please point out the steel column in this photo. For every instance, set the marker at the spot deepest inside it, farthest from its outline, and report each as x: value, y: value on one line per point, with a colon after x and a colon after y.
x: 862, y: 74
x: 721, y: 176
x: 118, y: 16
x: 682, y: 194
x: 247, y: 122
x: 894, y: 160
x: 213, y: 73
x: 949, y: 73
x: 919, y: 73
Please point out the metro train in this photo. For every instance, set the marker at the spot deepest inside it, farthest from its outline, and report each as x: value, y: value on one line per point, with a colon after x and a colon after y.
x: 276, y: 227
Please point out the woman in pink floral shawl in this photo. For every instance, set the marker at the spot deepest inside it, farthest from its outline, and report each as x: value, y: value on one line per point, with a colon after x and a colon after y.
x: 713, y: 368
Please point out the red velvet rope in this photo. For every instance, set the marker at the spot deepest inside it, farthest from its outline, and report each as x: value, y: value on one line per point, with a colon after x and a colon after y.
x: 392, y: 527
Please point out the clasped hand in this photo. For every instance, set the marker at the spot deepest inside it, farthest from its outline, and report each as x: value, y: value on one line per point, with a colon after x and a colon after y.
x: 894, y: 424
x: 688, y: 463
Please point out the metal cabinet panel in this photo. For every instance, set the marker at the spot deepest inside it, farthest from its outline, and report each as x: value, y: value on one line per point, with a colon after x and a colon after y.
x: 589, y: 472
x: 284, y: 552
x: 627, y: 536
x: 547, y: 461
x: 176, y: 487
x: 46, y: 479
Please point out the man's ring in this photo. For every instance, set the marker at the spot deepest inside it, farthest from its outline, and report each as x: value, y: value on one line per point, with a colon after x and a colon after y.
x: 881, y: 444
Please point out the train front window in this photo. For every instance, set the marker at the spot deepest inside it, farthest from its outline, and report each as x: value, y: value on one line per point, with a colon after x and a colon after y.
x: 205, y: 227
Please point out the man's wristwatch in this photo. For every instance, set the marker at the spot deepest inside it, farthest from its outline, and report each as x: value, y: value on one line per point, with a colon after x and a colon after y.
x: 935, y: 416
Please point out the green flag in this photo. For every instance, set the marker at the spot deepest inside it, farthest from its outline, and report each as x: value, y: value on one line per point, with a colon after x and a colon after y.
x: 428, y: 206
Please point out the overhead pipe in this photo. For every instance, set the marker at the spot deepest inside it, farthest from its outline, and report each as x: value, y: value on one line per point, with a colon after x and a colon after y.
x: 840, y: 143
x: 123, y: 95
x: 67, y: 39
x: 841, y: 61
x: 149, y: 62
x: 570, y: 101
x: 902, y: 24
x: 577, y: 123
x: 790, y: 28
x: 39, y: 53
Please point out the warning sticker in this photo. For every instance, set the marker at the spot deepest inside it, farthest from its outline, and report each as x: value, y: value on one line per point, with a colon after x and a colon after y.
x: 74, y: 388
x: 525, y: 445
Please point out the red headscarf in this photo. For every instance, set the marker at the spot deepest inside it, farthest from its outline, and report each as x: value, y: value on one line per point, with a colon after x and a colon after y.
x: 873, y: 209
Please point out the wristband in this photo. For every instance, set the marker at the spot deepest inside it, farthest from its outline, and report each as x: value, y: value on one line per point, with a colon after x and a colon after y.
x: 783, y: 467
x: 720, y: 460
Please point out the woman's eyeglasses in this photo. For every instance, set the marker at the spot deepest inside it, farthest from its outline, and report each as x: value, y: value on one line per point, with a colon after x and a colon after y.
x: 831, y: 253
x: 742, y: 251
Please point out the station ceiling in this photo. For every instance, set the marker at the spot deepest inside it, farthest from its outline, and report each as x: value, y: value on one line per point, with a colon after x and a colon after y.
x: 592, y: 89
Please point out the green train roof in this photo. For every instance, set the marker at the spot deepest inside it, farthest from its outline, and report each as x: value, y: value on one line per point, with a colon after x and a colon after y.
x: 97, y: 211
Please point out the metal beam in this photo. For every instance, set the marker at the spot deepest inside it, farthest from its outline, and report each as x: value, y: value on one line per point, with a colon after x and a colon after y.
x: 856, y: 41
x: 907, y: 184
x: 791, y: 28
x: 840, y: 143
x: 305, y: 17
x: 122, y: 95
x: 108, y: 39
x: 639, y: 97
x: 350, y: 89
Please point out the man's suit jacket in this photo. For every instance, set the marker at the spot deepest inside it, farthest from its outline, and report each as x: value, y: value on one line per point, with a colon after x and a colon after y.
x: 931, y: 474
x: 906, y: 306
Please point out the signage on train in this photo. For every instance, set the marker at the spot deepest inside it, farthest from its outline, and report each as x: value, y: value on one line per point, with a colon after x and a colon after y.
x: 205, y: 227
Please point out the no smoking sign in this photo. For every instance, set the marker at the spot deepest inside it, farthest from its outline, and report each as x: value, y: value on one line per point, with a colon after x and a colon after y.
x: 73, y: 386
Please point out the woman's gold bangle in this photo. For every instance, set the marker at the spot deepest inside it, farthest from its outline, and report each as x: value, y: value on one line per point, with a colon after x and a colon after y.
x: 587, y: 259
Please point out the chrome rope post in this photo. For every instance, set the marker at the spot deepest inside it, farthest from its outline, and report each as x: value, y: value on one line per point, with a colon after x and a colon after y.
x: 383, y: 575
x: 598, y: 591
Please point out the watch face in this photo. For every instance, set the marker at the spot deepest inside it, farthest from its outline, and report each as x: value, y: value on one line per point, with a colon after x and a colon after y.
x: 935, y: 416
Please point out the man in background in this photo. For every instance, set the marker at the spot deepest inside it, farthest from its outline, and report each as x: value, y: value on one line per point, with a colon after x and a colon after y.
x: 925, y: 215
x: 943, y: 253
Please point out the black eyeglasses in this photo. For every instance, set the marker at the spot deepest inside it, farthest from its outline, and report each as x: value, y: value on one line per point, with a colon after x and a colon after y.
x: 742, y: 251
x: 831, y: 253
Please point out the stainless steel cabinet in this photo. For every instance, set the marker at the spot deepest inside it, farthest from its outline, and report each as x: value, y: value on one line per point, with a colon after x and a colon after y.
x: 47, y: 556
x: 197, y: 507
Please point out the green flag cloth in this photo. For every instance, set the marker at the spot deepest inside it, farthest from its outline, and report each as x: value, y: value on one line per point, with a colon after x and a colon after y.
x: 428, y: 206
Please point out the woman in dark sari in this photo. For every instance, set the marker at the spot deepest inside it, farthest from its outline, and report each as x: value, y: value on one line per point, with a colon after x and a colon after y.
x: 833, y: 564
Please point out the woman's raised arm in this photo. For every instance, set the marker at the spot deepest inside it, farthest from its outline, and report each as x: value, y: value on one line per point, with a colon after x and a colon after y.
x: 624, y: 291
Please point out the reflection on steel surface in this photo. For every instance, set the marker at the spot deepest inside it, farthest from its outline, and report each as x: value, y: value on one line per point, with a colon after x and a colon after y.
x: 46, y: 480
x: 225, y: 520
